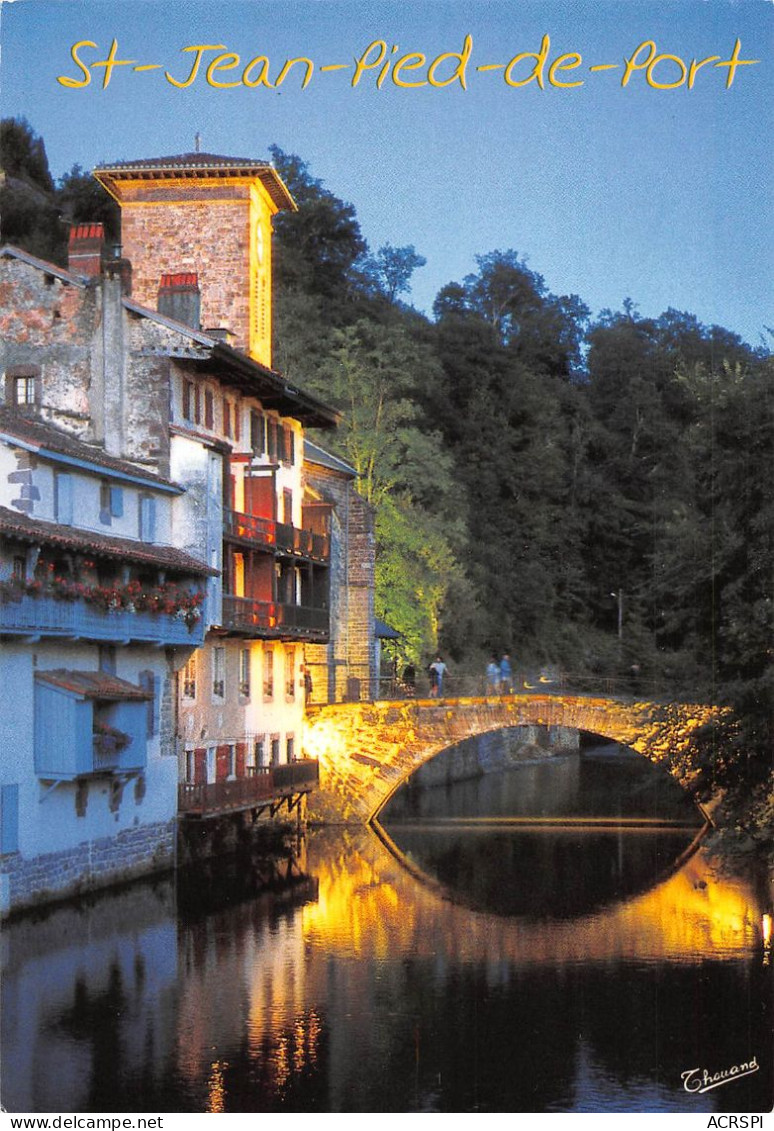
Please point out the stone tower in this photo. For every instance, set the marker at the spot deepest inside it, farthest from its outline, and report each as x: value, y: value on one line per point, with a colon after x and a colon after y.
x: 205, y: 215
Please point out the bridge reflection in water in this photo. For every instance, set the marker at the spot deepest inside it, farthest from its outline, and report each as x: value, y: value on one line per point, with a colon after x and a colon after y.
x: 368, y: 990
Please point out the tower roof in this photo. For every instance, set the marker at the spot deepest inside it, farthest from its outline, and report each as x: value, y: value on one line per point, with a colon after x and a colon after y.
x: 192, y: 165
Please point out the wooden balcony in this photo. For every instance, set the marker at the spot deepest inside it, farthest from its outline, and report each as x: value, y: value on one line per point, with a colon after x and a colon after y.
x: 268, y: 534
x: 47, y: 616
x: 246, y: 616
x: 266, y: 789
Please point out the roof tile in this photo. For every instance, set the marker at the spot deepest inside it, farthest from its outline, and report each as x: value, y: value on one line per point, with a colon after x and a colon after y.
x: 99, y: 545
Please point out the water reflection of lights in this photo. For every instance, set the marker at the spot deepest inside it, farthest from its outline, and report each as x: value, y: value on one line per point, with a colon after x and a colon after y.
x: 216, y: 1089
x: 370, y: 907
x: 370, y: 904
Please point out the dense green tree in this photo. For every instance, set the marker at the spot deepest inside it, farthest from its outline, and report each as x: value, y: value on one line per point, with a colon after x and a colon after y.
x: 34, y: 213
x: 391, y: 269
x: 83, y: 199
x: 23, y: 154
x: 29, y: 216
x: 318, y: 245
x: 403, y: 471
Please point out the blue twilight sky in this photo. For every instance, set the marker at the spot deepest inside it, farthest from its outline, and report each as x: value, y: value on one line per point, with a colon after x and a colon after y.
x: 609, y: 190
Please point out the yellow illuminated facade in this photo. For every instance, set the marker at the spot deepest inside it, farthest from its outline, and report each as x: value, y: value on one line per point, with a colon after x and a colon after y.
x: 211, y: 216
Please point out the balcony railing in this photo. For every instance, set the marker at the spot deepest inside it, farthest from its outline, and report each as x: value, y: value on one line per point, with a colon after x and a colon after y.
x: 273, y: 535
x: 77, y: 619
x: 243, y: 614
x: 267, y: 785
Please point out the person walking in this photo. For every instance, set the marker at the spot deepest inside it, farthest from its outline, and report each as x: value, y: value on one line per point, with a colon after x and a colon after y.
x: 493, y: 676
x: 506, y: 675
x: 438, y: 670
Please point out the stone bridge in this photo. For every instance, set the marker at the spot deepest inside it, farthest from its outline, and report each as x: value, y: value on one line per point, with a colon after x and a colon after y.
x: 367, y: 750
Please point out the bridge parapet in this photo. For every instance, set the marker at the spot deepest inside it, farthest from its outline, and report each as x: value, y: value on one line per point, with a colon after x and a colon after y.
x: 367, y: 750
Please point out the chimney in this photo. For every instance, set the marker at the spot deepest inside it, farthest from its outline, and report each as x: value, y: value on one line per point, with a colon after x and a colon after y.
x: 85, y: 248
x: 121, y: 269
x: 180, y: 298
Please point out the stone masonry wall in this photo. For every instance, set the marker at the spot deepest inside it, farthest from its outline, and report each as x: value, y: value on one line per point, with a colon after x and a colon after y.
x: 367, y: 750
x: 93, y: 864
x: 48, y: 323
x: 497, y: 750
x: 208, y: 237
x: 350, y: 650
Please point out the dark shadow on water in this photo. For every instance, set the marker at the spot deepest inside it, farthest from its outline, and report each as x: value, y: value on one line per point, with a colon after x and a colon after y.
x: 553, y: 839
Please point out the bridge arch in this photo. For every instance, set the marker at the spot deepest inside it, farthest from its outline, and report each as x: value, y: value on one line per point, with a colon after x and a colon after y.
x: 367, y: 750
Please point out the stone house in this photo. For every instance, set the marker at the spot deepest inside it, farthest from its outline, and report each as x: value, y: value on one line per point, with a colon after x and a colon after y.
x: 178, y: 442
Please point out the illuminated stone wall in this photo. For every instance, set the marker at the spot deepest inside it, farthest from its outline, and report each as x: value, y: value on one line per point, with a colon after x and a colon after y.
x: 367, y: 750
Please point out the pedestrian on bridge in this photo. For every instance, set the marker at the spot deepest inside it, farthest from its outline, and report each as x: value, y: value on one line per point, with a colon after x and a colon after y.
x: 493, y: 676
x: 506, y: 675
x: 437, y: 671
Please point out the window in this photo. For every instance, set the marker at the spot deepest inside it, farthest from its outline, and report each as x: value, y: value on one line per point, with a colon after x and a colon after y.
x: 190, y: 764
x: 272, y: 429
x: 24, y: 390
x: 251, y: 751
x: 288, y: 446
x: 257, y: 432
x: 287, y: 506
x: 209, y: 409
x: 191, y: 402
x: 147, y: 518
x: 227, y: 427
x: 63, y: 498
x: 259, y: 753
x: 236, y: 422
x: 290, y: 672
x: 237, y: 578
x: 147, y: 682
x: 275, y: 750
x: 290, y: 748
x: 244, y: 673
x: 19, y: 569
x: 268, y: 673
x: 111, y: 502
x: 231, y: 760
x: 22, y: 386
x: 219, y: 673
x: 189, y: 678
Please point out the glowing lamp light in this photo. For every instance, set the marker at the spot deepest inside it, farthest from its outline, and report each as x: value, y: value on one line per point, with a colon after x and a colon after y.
x: 766, y: 929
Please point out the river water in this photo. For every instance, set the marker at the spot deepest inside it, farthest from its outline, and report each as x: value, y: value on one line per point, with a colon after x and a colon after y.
x: 474, y: 955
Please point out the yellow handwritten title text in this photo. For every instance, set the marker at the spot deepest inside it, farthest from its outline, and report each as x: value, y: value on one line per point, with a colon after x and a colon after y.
x: 212, y: 64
